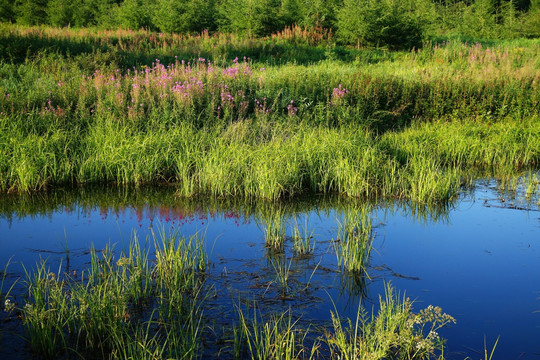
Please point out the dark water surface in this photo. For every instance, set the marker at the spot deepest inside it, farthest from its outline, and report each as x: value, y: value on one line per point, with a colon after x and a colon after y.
x: 477, y: 258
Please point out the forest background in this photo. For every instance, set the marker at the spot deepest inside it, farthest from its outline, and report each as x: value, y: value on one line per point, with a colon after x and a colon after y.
x: 392, y: 24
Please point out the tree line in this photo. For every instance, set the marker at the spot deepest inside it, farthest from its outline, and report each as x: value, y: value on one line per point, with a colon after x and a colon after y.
x: 388, y: 23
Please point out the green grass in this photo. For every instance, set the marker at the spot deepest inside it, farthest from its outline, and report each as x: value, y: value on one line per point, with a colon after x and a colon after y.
x: 409, y: 125
x: 125, y: 308
x: 279, y: 337
x: 394, y: 332
x: 354, y: 241
x: 273, y: 222
x: 303, y: 238
x: 132, y: 304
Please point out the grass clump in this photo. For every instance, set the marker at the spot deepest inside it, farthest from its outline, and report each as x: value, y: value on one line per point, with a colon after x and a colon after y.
x: 119, y: 309
x: 274, y: 225
x: 276, y: 338
x: 395, y: 332
x: 355, y: 238
x: 303, y: 239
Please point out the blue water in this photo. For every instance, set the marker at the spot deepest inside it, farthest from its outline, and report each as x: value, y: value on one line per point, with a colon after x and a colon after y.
x: 478, y: 259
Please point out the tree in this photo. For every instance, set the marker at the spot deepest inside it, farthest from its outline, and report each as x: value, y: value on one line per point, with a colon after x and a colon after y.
x: 509, y: 18
x: 319, y: 13
x: 251, y: 17
x: 185, y: 16
x: 531, y: 21
x: 135, y: 14
x: 6, y: 11
x: 484, y: 18
x: 393, y: 24
x: 31, y: 12
x: 60, y: 12
x: 291, y: 12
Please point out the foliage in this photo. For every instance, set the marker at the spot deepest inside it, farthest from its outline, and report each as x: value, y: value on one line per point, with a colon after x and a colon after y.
x: 251, y: 17
x: 191, y: 16
x: 30, y: 12
x: 395, y: 332
x: 376, y: 127
x: 388, y: 23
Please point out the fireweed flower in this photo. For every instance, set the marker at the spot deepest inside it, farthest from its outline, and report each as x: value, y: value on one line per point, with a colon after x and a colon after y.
x: 338, y: 94
x: 291, y: 109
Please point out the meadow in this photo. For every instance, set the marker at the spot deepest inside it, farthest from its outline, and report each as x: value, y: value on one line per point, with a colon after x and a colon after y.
x: 416, y: 125
x: 262, y: 119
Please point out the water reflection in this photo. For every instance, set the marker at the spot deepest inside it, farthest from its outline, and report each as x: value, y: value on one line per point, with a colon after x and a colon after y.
x: 455, y: 255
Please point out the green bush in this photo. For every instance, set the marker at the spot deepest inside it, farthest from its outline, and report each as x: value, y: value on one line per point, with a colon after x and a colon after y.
x: 393, y: 24
x: 135, y: 14
x: 320, y: 14
x: 531, y: 20
x: 6, y: 11
x: 185, y: 16
x: 251, y: 17
x: 31, y: 12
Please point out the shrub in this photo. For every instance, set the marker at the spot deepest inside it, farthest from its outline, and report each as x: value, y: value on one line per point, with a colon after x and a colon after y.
x: 386, y: 23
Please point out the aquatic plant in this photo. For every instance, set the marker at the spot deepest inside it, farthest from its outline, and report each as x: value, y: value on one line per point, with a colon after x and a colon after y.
x: 274, y: 223
x: 5, y: 302
x: 47, y: 314
x: 355, y: 238
x: 111, y: 310
x: 492, y: 349
x: 394, y: 332
x: 303, y: 239
x: 282, y: 269
x: 277, y: 338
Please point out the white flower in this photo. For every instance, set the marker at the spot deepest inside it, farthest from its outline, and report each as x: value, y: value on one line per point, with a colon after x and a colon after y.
x: 9, y: 305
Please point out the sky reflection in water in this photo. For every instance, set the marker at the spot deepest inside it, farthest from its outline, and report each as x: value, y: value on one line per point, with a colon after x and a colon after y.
x: 479, y: 260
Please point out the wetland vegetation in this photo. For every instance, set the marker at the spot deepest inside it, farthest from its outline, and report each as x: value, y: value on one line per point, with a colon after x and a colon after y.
x: 416, y: 125
x: 262, y: 122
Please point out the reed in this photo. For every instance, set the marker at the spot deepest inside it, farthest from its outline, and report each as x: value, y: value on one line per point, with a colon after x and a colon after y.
x: 355, y: 238
x: 522, y: 187
x: 128, y: 308
x: 492, y: 349
x: 282, y: 269
x: 45, y: 318
x: 273, y: 220
x: 276, y: 338
x: 5, y: 301
x: 303, y: 239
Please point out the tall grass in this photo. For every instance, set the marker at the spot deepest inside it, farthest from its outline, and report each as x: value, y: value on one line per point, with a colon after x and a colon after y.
x: 128, y: 308
x: 303, y: 238
x: 410, y: 125
x: 354, y: 241
x: 274, y: 224
x: 5, y: 302
x: 394, y: 332
x: 276, y: 338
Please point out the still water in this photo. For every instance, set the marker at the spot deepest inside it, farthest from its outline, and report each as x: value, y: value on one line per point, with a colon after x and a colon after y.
x: 478, y: 258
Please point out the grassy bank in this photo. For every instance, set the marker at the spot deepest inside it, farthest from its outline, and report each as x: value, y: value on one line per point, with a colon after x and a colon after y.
x: 411, y: 125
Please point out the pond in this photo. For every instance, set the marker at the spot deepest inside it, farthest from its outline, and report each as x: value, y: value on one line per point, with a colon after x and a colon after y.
x: 478, y: 258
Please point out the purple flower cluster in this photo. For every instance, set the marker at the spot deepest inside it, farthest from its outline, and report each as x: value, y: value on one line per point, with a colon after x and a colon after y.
x: 260, y: 108
x: 291, y: 109
x: 339, y: 92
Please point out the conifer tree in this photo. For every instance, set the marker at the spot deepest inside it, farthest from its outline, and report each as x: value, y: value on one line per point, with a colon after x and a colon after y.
x: 135, y: 14
x: 31, y: 12
x: 6, y: 11
x: 60, y: 12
